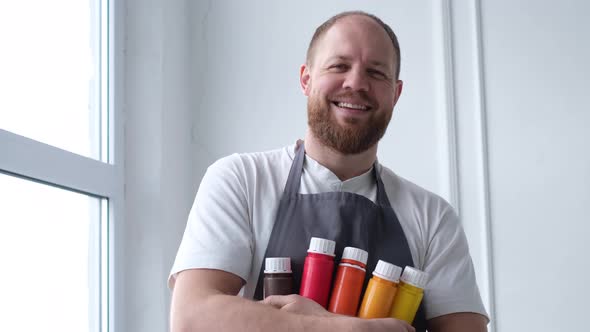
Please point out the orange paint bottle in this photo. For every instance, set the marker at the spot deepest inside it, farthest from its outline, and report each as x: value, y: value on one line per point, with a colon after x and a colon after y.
x: 380, y: 291
x: 349, y: 281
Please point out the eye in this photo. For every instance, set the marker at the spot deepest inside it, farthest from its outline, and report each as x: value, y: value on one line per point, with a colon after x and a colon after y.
x: 338, y: 67
x: 377, y: 73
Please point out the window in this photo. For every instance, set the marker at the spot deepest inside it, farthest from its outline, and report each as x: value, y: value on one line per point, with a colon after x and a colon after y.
x: 61, y: 171
x: 50, y: 248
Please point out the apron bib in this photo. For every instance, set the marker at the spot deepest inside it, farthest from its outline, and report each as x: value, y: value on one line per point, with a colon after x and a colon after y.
x: 349, y: 219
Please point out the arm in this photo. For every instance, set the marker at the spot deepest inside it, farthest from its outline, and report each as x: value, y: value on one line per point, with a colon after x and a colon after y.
x: 204, y: 300
x: 458, y: 322
x: 452, y: 296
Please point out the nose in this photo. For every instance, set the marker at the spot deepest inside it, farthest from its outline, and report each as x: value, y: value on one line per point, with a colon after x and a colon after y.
x: 356, y: 80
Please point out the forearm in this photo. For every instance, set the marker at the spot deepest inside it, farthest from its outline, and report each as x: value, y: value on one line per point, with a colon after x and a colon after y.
x: 220, y: 313
x: 458, y: 322
x: 205, y: 300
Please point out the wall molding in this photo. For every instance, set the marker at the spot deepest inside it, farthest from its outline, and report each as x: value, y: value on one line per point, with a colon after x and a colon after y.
x: 450, y: 107
x: 484, y: 157
x: 466, y: 127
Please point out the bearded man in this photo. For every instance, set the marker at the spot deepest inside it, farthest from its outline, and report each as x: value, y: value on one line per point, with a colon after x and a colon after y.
x: 330, y: 185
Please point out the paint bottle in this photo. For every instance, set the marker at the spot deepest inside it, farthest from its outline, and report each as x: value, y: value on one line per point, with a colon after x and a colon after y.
x: 317, y: 271
x: 381, y: 291
x: 278, y: 277
x: 409, y: 294
x: 349, y: 281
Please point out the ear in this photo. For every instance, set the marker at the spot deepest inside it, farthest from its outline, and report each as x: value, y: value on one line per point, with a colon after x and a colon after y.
x: 304, y: 78
x: 398, y: 86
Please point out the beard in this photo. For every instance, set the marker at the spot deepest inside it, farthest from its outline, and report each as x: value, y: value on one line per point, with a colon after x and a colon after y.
x: 358, y: 135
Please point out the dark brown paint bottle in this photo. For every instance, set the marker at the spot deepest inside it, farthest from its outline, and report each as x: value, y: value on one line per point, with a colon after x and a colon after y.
x: 278, y: 277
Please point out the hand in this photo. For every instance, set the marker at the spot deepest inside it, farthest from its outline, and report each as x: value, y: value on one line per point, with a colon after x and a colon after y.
x: 378, y: 325
x: 296, y: 304
x: 301, y: 305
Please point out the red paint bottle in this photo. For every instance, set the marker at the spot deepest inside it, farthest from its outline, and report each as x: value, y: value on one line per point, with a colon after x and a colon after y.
x: 349, y: 281
x: 318, y: 268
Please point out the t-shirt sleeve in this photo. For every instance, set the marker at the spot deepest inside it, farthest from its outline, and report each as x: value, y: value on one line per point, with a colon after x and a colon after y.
x: 452, y: 287
x: 218, y: 233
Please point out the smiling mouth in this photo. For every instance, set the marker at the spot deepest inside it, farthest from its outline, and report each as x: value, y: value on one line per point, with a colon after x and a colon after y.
x: 351, y: 106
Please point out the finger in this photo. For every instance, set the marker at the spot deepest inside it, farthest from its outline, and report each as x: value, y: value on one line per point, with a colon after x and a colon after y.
x: 409, y: 327
x: 277, y: 301
x: 400, y: 324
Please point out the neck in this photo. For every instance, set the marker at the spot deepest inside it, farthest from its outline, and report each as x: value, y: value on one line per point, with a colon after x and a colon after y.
x: 345, y: 166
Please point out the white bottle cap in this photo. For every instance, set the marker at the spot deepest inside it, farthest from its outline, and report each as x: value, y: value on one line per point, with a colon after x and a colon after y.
x: 414, y: 277
x: 277, y: 265
x: 387, y: 271
x: 355, y: 254
x: 322, y: 246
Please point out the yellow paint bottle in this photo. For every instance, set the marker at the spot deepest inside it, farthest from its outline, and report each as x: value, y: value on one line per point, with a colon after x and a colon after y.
x: 409, y: 294
x: 380, y: 291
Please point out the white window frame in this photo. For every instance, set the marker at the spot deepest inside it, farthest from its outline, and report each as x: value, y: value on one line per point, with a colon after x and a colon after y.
x: 30, y: 159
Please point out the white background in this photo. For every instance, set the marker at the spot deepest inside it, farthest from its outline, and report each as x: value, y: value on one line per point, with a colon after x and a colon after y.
x: 494, y: 117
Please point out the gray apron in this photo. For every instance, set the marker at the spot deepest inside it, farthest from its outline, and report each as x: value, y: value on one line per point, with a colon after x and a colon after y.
x: 347, y: 218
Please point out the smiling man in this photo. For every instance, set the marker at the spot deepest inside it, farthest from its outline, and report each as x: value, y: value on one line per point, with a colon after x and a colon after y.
x: 269, y: 204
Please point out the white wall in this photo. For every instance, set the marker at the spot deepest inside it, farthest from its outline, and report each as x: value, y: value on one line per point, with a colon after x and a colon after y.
x: 491, y: 115
x: 160, y: 180
x: 537, y: 76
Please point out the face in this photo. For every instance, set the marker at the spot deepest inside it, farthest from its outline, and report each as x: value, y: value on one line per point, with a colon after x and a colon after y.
x: 350, y: 84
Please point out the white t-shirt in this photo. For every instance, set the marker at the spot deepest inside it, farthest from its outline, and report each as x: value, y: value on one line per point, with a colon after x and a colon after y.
x: 234, y: 211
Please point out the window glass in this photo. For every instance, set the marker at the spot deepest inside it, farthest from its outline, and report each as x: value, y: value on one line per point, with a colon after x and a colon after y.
x: 50, y: 253
x: 50, y: 68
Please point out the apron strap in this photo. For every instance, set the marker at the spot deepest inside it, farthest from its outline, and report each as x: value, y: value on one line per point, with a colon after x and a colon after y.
x: 382, y: 198
x: 294, y: 179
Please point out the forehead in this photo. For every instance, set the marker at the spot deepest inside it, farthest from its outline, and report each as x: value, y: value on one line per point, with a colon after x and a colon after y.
x: 356, y: 37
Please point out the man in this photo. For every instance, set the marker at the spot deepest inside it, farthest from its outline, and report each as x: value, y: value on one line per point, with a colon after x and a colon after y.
x: 269, y: 204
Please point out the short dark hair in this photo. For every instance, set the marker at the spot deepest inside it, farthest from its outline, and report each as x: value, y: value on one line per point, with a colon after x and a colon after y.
x: 321, y: 30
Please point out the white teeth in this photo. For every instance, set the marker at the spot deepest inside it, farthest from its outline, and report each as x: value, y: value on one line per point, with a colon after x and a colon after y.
x: 348, y: 105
